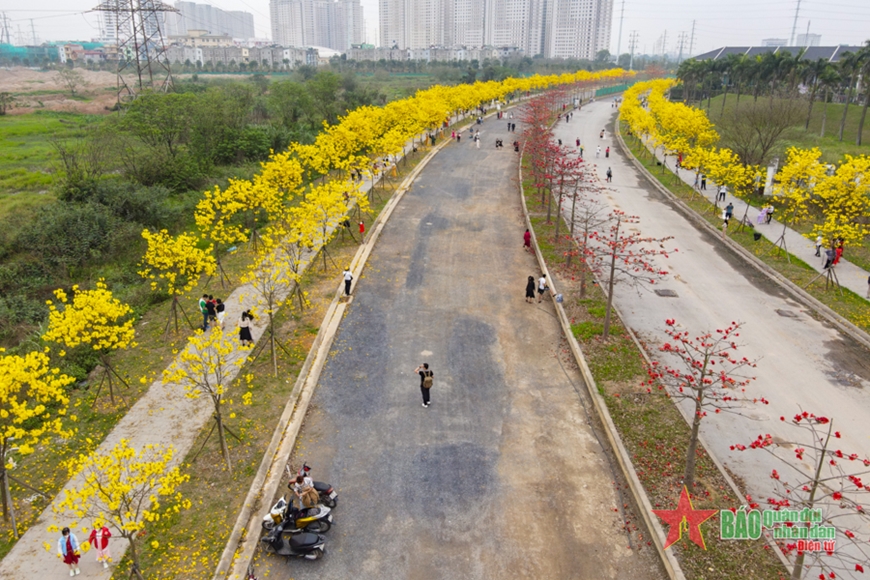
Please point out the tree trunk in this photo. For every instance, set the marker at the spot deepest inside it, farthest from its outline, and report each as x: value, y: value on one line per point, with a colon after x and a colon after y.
x: 689, y: 475
x: 846, y: 108
x: 724, y: 98
x: 583, y: 262
x: 737, y: 102
x: 798, y: 569
x: 863, y: 113
x: 223, y: 440
x: 824, y: 114
x: 272, y: 342
x: 810, y: 109
x: 549, y: 204
x: 134, y: 555
x: 610, y: 282
x: 8, y: 508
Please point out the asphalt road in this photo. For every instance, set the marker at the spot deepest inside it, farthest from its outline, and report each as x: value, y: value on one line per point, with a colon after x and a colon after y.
x: 501, y: 476
x: 804, y: 363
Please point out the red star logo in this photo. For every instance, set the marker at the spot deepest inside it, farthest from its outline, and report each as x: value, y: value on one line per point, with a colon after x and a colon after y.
x: 685, y: 517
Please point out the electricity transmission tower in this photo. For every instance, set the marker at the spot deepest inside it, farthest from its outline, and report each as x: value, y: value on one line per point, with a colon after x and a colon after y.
x: 632, y: 45
x: 137, y: 25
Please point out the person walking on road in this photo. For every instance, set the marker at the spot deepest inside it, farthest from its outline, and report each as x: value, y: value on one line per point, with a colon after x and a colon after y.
x: 609, y: 175
x: 530, y: 290
x: 99, y: 540
x: 426, y: 378
x: 542, y: 287
x: 729, y: 211
x: 868, y: 286
x: 527, y: 240
x: 362, y: 231
x: 203, y: 308
x: 348, y: 278
x: 607, y: 152
x: 598, y: 152
x: 703, y: 183
x: 819, y: 242
x: 221, y: 310
x: 211, y: 308
x: 720, y: 195
x: 68, y: 548
x: 770, y: 210
x: 245, y: 328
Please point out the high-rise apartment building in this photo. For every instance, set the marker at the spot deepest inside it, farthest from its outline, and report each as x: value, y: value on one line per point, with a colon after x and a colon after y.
x: 335, y: 24
x: 193, y: 16
x: 552, y: 28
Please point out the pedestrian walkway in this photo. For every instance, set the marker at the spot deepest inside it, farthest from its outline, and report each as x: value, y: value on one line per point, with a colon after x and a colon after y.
x: 162, y: 416
x: 850, y: 276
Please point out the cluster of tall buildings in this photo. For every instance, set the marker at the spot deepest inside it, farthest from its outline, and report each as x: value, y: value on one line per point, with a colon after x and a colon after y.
x: 551, y: 28
x: 193, y: 16
x: 335, y: 24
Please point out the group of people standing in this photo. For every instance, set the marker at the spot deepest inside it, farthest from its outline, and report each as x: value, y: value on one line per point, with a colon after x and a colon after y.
x: 212, y: 310
x: 70, y: 551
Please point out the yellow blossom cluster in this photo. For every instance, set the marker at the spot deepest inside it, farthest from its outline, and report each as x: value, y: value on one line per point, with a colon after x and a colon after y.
x: 93, y: 317
x: 174, y: 264
x: 841, y: 196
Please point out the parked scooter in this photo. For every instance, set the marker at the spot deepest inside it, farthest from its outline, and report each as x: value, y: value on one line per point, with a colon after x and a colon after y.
x: 308, y: 546
x: 317, y: 520
x: 328, y: 496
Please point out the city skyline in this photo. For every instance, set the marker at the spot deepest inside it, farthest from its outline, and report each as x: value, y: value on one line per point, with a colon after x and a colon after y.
x: 740, y: 23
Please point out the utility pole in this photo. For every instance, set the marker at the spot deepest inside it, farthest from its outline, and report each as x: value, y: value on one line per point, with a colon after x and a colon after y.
x: 692, y: 41
x: 797, y: 11
x: 619, y: 38
x: 632, y: 45
x: 807, y: 39
x: 5, y: 37
x: 681, y: 39
x: 141, y: 48
x: 33, y: 33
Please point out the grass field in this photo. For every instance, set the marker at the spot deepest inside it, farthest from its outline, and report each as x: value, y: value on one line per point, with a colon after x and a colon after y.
x: 27, y: 156
x: 832, y: 148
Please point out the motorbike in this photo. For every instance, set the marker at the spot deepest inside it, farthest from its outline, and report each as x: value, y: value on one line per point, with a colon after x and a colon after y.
x: 328, y: 496
x: 304, y: 545
x: 317, y: 520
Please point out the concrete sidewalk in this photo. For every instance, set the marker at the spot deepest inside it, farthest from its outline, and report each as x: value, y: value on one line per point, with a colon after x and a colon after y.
x: 851, y: 276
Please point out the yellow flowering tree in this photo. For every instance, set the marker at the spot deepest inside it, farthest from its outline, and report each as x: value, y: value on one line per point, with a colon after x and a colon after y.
x: 844, y: 199
x: 797, y: 179
x: 205, y: 367
x: 94, y: 318
x: 217, y: 216
x: 32, y: 401
x: 270, y: 276
x: 174, y: 265
x: 126, y: 488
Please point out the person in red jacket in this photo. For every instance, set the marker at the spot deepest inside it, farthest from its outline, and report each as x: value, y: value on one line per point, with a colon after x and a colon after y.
x: 99, y: 540
x: 362, y: 232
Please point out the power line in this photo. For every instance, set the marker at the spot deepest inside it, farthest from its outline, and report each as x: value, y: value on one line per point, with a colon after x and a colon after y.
x: 632, y: 45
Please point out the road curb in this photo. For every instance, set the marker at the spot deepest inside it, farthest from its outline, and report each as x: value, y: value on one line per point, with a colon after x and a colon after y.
x: 239, y: 551
x: 641, y: 501
x: 790, y: 287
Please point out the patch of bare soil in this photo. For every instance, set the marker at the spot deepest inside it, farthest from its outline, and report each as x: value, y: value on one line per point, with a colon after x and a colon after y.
x: 37, y: 90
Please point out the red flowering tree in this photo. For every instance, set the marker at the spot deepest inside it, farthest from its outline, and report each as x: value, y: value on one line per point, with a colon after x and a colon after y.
x: 708, y: 372
x: 625, y: 256
x: 827, y: 479
x: 587, y: 216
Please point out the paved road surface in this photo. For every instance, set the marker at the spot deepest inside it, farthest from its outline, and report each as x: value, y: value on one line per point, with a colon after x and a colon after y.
x: 500, y: 477
x: 805, y: 363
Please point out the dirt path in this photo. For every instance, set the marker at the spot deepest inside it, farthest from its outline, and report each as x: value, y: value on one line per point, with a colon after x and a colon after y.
x: 501, y: 476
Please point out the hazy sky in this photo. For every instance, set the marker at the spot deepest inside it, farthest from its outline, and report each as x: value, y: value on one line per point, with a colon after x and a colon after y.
x: 717, y: 22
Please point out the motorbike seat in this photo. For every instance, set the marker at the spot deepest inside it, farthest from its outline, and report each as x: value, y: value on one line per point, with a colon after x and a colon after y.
x: 320, y: 487
x: 301, y: 541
